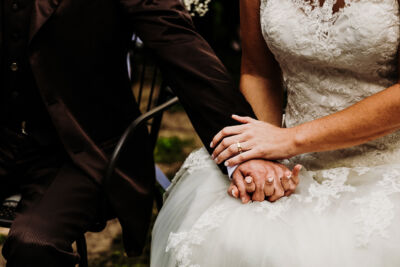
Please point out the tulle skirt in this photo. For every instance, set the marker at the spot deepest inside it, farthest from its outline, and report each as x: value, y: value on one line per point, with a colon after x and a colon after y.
x: 337, y: 217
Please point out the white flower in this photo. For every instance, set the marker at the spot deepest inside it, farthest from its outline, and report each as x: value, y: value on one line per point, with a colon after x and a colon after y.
x: 199, y: 7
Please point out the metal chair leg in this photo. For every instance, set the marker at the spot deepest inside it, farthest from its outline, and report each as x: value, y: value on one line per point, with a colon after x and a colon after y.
x: 82, y: 251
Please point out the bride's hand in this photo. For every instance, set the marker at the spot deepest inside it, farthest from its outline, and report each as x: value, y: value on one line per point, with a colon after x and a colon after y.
x: 251, y: 140
x: 258, y: 180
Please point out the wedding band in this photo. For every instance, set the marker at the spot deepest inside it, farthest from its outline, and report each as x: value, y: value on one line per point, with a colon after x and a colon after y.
x: 239, y: 147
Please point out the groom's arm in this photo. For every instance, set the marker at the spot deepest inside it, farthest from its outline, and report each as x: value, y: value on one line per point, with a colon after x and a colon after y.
x: 188, y: 63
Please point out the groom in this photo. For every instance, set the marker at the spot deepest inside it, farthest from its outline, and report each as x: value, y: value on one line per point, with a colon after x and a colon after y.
x: 66, y: 99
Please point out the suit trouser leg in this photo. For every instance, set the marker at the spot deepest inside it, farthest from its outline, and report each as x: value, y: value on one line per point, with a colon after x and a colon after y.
x: 59, y: 203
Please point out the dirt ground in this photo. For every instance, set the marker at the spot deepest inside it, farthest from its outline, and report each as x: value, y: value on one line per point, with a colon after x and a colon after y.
x: 105, y: 248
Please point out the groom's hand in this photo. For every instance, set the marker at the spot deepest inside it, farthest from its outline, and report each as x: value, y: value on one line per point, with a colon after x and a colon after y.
x: 259, y: 179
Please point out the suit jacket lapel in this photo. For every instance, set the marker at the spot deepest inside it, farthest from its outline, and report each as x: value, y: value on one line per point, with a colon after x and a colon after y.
x: 42, y: 11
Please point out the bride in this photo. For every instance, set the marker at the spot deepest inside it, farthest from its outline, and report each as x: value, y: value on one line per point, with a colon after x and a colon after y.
x: 338, y: 61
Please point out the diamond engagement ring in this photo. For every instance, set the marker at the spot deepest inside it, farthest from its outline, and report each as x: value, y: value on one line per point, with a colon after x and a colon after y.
x: 239, y: 147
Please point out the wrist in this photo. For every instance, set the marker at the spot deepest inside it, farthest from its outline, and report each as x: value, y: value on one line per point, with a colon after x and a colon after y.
x: 298, y: 140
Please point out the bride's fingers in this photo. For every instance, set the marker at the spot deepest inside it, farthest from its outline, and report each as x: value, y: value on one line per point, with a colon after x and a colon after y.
x: 227, y: 131
x: 287, y: 181
x: 269, y: 186
x: 233, y: 191
x: 281, y: 172
x: 288, y: 193
x: 258, y: 194
x: 295, y: 174
x: 238, y: 181
x: 279, y: 192
x: 232, y: 151
x: 228, y: 144
x: 245, y: 156
x: 242, y: 119
x: 249, y: 184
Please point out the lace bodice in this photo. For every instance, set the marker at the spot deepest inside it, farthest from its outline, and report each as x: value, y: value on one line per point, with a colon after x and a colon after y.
x: 332, y: 60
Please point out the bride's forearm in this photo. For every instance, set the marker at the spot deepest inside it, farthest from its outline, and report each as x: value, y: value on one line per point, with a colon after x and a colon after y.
x: 371, y: 118
x: 260, y: 80
x: 266, y: 102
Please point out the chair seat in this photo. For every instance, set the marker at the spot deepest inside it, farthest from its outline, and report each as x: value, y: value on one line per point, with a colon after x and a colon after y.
x: 7, y: 210
x: 7, y: 213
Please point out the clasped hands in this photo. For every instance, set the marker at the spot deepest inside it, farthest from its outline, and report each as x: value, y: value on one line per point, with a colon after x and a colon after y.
x: 260, y: 179
x: 257, y: 177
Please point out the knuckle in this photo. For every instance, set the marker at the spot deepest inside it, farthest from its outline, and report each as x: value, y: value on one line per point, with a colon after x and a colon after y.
x: 280, y: 193
x: 258, y: 150
x: 225, y: 142
x: 259, y: 184
x: 231, y: 148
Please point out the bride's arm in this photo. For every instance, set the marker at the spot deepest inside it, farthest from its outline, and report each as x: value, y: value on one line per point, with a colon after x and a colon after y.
x: 260, y: 80
x: 373, y: 117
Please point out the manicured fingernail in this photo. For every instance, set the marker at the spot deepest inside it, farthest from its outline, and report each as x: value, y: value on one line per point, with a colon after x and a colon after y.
x: 233, y: 193
x: 211, y: 144
x: 289, y: 176
x: 270, y: 179
x: 212, y: 156
x: 243, y: 199
x: 234, y: 115
x: 226, y: 163
x: 249, y: 180
x: 216, y: 160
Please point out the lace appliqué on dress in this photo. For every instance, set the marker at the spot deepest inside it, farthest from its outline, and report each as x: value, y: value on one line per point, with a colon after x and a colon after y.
x: 332, y: 60
x: 333, y: 184
x: 181, y: 244
x: 377, y: 210
x: 323, y: 16
x: 197, y: 160
x: 272, y: 210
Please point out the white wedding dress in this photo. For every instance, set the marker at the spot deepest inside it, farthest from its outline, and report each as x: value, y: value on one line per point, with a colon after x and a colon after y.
x: 346, y: 210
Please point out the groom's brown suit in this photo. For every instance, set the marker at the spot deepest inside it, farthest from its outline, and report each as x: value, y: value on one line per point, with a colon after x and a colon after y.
x: 77, y: 54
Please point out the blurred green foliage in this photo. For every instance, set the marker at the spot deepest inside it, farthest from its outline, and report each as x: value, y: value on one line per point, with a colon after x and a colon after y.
x: 171, y: 149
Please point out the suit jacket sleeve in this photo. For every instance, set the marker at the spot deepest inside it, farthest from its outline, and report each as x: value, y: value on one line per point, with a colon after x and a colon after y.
x: 188, y: 63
